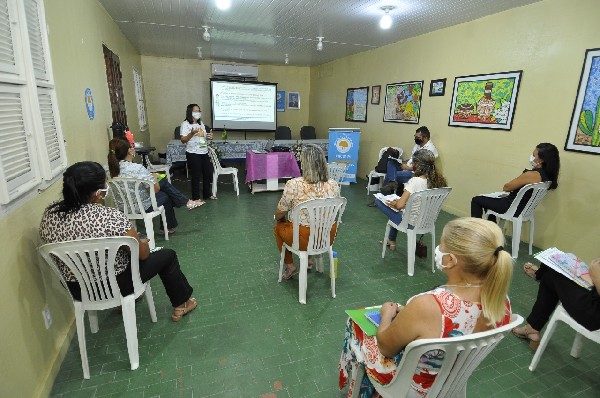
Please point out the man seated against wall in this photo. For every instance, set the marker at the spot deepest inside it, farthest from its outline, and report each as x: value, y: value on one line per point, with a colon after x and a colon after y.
x: 400, y: 173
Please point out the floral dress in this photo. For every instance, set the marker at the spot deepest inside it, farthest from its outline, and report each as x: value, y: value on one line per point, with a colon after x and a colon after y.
x: 458, y: 318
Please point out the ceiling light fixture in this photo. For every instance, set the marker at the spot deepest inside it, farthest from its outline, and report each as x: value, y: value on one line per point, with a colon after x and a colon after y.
x: 320, y: 43
x: 287, y: 59
x: 223, y: 4
x: 199, y: 52
x: 206, y: 35
x: 386, y: 21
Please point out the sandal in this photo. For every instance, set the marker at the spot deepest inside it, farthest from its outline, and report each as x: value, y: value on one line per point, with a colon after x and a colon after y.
x: 180, y: 312
x: 391, y: 245
x: 531, y: 270
x: 289, y: 273
x: 310, y: 264
x: 213, y: 198
x: 192, y: 204
x: 528, y: 333
x: 169, y: 230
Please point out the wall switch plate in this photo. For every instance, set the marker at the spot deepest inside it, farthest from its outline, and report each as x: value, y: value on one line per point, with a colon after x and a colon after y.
x: 47, y: 316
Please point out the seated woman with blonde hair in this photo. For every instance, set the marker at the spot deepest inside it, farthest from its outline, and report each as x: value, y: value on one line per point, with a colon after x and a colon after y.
x: 472, y: 300
x: 314, y: 184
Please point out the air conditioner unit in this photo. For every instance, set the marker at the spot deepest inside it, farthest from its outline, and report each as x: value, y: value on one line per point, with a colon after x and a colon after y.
x: 234, y: 70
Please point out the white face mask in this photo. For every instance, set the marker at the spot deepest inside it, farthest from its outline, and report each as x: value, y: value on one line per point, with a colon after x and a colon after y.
x: 532, y: 161
x: 197, y: 115
x: 438, y: 258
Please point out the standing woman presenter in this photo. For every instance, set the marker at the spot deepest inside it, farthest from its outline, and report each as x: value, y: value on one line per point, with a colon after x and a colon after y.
x: 196, y: 137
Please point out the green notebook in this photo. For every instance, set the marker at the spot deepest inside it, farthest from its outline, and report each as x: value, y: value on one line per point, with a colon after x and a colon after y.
x: 361, y: 320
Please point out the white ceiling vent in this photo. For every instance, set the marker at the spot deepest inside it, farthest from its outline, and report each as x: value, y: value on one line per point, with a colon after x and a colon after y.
x: 235, y: 70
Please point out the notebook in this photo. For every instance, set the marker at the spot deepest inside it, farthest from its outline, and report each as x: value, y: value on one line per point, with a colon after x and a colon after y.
x: 567, y: 264
x: 387, y: 198
x: 374, y: 316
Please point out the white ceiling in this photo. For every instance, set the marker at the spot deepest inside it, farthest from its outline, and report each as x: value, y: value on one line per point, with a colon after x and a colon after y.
x: 263, y: 31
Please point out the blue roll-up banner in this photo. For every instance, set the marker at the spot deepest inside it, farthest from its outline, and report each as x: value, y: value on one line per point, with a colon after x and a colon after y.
x: 343, y: 147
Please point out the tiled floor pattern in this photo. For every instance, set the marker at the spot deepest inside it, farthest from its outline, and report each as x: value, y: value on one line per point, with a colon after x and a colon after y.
x: 251, y: 338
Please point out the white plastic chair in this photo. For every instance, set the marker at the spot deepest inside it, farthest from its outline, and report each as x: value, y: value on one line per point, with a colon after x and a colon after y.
x: 337, y: 170
x: 322, y: 214
x: 560, y: 314
x: 381, y: 176
x: 160, y: 168
x: 99, y: 288
x: 218, y: 170
x: 420, y: 213
x: 126, y: 196
x: 462, y: 356
x: 538, y: 191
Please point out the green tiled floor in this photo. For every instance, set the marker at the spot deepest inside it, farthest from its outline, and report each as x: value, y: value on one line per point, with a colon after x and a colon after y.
x: 250, y: 337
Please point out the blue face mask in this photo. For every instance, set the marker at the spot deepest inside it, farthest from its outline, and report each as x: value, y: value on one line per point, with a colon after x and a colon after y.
x: 439, y: 256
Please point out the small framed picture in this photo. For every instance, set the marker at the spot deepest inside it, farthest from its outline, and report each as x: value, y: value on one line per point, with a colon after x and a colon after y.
x: 293, y: 100
x: 437, y: 88
x: 375, y: 92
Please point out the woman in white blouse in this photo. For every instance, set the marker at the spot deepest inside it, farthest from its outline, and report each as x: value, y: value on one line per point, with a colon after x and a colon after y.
x: 196, y: 136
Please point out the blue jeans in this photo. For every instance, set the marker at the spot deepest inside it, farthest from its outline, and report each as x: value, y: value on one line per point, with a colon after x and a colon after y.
x: 169, y: 197
x: 395, y: 217
x: 395, y: 173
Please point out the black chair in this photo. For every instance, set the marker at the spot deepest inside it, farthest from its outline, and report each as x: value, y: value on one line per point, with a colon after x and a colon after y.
x: 308, y: 133
x: 176, y: 134
x: 283, y: 133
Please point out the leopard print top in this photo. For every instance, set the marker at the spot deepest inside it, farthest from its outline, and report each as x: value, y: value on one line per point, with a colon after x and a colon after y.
x: 93, y: 220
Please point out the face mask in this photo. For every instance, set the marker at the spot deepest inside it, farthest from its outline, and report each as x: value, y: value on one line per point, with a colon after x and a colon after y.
x: 438, y: 258
x: 532, y: 161
x: 418, y: 141
x: 197, y: 115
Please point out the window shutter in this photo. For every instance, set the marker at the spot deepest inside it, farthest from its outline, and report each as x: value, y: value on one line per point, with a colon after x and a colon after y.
x: 15, y: 156
x: 36, y: 43
x: 52, y: 137
x: 7, y: 52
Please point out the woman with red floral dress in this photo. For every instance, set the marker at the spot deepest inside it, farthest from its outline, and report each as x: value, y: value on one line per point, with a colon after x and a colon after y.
x: 472, y: 300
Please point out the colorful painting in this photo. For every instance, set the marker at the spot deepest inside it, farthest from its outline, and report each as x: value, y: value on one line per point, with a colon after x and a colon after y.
x: 356, y: 104
x: 403, y: 102
x: 584, y: 133
x: 280, y: 101
x: 485, y: 101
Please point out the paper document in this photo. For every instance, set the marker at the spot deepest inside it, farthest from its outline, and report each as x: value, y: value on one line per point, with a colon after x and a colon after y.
x: 387, y: 198
x: 495, y: 195
x: 567, y: 264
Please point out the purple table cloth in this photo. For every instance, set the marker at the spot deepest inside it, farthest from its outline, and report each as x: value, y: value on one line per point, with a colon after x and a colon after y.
x: 260, y: 166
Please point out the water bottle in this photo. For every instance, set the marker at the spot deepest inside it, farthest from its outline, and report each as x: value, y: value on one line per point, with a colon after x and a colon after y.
x: 335, y: 265
x: 224, y: 134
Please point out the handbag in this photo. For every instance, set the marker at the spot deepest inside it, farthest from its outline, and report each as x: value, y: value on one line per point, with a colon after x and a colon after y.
x: 421, y: 248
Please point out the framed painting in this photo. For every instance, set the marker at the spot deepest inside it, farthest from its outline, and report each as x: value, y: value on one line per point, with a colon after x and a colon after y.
x: 293, y: 100
x: 356, y: 104
x: 375, y: 95
x: 485, y: 101
x: 584, y: 132
x: 437, y: 88
x: 403, y: 102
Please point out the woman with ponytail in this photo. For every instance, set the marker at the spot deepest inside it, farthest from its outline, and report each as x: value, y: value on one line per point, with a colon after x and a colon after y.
x: 81, y: 215
x: 426, y: 176
x: 473, y: 299
x: 120, y: 156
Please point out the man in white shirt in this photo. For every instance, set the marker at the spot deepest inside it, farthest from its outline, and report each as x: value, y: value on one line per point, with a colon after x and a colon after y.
x: 401, y: 173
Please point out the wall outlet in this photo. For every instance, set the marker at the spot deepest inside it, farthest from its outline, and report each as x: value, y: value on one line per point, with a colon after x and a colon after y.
x: 47, y: 316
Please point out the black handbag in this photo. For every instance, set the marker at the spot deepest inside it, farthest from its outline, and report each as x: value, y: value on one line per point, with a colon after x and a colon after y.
x: 421, y: 249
